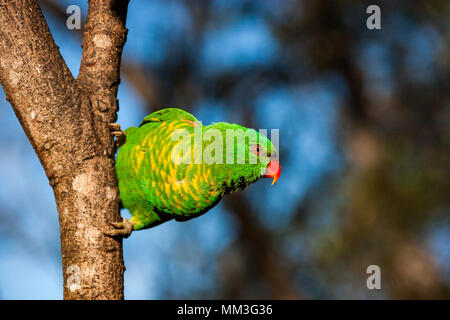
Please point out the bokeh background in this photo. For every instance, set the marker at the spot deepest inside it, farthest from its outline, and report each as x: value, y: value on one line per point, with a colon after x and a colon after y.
x: 364, y: 120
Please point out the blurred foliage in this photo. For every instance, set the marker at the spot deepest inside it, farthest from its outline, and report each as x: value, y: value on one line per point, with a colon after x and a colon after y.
x: 393, y: 188
x: 364, y: 139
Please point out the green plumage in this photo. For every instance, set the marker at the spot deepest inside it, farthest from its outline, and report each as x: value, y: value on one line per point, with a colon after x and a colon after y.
x: 173, y: 167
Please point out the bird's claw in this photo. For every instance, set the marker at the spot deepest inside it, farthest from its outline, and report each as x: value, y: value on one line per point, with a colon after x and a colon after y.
x: 114, y: 126
x: 118, y: 133
x: 121, y: 229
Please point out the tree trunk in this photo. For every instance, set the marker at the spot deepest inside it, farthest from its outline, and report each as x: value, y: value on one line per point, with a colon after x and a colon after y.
x: 66, y: 121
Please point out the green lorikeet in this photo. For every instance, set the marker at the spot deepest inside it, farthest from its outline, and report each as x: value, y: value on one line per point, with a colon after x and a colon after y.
x: 173, y: 167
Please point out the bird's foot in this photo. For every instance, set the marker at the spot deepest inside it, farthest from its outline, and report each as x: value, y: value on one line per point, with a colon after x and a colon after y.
x: 121, y: 229
x: 118, y: 133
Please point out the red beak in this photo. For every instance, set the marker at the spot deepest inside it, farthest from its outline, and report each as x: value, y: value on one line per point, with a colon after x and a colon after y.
x: 273, y: 171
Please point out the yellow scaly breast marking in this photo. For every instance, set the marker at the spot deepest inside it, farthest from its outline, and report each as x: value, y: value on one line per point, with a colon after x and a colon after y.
x: 187, y: 156
x: 185, y: 188
x: 164, y: 176
x: 173, y: 172
x: 164, y: 152
x: 195, y: 196
x: 148, y: 140
x: 157, y: 193
x: 167, y: 188
x: 152, y: 166
x: 177, y: 202
x: 187, y: 172
x: 194, y: 183
x: 173, y: 125
x: 139, y: 157
x: 141, y: 152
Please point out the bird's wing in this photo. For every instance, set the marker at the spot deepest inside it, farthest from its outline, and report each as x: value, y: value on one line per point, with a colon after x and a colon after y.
x: 168, y: 114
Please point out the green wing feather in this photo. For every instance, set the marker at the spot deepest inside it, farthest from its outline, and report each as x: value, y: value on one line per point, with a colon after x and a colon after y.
x: 168, y: 114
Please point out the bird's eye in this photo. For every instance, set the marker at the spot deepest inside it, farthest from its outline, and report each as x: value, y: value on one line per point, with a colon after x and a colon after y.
x: 256, y: 149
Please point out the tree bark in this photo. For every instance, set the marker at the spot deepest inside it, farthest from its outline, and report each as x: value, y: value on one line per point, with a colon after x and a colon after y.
x: 140, y: 78
x: 66, y: 121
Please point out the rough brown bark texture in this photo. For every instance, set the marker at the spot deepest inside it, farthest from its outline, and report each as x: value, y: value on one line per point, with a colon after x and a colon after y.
x: 66, y: 121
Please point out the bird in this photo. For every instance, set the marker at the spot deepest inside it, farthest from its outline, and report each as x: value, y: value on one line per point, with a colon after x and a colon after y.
x: 174, y: 167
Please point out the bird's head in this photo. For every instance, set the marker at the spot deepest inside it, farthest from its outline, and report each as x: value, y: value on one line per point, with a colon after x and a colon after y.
x: 248, y: 155
x: 262, y: 156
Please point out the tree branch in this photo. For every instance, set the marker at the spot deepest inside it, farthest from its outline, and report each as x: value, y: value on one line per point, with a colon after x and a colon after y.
x: 66, y: 121
x: 103, y: 39
x: 139, y: 77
